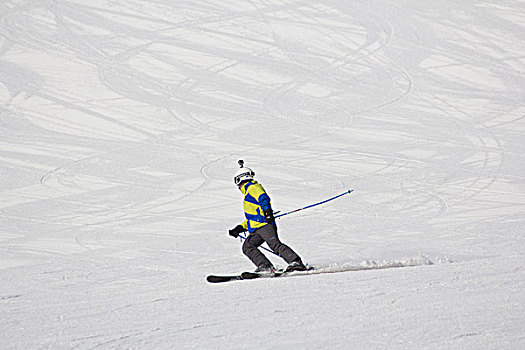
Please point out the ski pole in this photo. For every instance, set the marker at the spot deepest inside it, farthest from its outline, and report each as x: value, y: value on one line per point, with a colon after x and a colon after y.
x: 296, y: 210
x: 313, y: 205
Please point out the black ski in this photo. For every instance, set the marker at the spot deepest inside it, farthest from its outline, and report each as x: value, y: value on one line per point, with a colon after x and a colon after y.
x: 243, y: 276
x: 253, y: 275
x: 220, y: 279
x: 278, y: 273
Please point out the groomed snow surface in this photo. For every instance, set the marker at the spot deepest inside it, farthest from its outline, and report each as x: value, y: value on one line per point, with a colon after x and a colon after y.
x: 121, y: 123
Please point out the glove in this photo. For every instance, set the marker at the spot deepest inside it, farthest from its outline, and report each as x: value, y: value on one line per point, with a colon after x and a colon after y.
x: 268, y: 216
x: 234, y: 232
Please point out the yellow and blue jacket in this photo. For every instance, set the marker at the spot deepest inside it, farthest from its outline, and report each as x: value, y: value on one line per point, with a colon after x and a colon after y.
x: 256, y: 201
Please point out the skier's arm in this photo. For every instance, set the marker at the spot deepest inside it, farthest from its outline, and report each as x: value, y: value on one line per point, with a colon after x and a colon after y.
x: 264, y: 202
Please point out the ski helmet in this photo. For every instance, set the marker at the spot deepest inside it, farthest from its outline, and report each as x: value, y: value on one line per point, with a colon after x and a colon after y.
x: 243, y: 174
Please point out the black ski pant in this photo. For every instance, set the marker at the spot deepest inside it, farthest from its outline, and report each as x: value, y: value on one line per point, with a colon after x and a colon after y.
x: 268, y: 234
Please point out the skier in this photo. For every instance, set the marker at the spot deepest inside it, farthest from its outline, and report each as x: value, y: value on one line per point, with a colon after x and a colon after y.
x: 260, y: 223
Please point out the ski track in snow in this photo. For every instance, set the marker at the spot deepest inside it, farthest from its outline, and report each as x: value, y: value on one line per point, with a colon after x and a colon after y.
x: 121, y: 124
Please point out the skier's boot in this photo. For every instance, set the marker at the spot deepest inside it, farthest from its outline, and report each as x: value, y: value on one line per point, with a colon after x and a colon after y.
x: 296, y: 266
x: 265, y: 269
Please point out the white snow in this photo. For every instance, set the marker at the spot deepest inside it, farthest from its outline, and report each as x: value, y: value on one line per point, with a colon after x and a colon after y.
x: 121, y: 123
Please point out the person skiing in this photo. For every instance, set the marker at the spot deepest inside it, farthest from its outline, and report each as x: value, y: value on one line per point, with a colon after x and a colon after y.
x: 260, y: 223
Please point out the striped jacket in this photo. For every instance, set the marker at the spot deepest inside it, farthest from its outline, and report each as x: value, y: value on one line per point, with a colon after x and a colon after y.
x: 256, y: 201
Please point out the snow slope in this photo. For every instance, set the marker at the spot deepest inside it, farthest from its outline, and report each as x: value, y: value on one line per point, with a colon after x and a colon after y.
x: 120, y: 126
